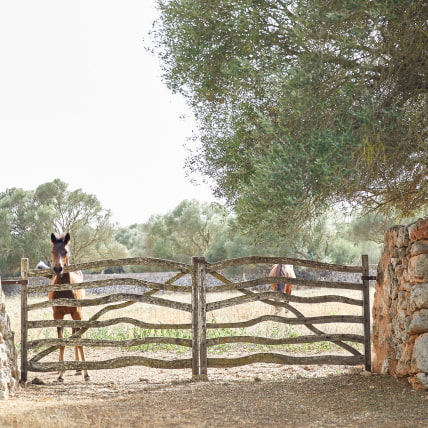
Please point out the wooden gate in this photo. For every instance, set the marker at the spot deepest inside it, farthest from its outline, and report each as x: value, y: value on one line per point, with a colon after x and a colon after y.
x: 200, y: 272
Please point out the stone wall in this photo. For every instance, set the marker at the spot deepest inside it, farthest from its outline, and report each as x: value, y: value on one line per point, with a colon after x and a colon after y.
x: 400, y: 309
x: 9, y: 373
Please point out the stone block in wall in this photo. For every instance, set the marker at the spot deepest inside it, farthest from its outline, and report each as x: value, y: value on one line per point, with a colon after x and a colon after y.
x: 418, y: 231
x: 419, y: 247
x: 404, y: 363
x: 405, y: 286
x: 403, y: 302
x: 420, y: 354
x: 419, y: 296
x: 402, y: 237
x: 419, y: 381
x: 418, y: 268
x: 400, y: 274
x: 9, y: 373
x: 419, y: 322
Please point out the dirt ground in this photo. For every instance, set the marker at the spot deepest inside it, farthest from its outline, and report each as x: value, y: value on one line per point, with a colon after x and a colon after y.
x: 259, y: 395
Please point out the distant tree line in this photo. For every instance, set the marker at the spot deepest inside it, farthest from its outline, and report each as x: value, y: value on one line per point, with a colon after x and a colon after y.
x: 27, y: 219
x: 195, y: 228
x: 192, y: 228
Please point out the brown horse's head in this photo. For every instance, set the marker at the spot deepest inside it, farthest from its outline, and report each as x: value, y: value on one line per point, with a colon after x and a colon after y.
x: 60, y: 252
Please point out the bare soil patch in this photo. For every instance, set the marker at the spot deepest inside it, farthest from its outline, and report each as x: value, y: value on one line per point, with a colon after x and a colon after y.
x: 252, y: 396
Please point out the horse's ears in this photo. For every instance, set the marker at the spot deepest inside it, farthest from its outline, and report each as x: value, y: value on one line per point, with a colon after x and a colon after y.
x: 66, y: 238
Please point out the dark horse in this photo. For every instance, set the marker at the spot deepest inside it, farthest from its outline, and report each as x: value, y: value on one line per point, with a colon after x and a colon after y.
x: 60, y: 257
x: 286, y: 271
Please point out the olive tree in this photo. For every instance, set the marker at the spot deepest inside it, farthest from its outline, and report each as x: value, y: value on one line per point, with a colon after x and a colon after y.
x: 303, y: 105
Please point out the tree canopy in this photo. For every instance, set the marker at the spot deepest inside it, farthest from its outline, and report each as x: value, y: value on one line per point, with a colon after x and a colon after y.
x: 190, y: 229
x: 194, y: 228
x: 27, y: 219
x: 303, y: 105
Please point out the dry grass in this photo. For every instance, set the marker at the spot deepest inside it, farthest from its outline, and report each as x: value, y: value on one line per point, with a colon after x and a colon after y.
x: 156, y: 314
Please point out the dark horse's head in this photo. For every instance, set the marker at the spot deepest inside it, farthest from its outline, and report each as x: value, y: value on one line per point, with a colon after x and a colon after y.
x: 60, y: 252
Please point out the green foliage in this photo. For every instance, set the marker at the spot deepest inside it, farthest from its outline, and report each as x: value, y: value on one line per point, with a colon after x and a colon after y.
x: 192, y: 229
x: 330, y: 238
x: 303, y: 105
x: 344, y: 252
x: 29, y: 217
x: 188, y: 230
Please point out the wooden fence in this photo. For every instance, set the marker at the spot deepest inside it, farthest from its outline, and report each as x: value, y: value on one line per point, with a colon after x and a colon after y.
x: 199, y: 270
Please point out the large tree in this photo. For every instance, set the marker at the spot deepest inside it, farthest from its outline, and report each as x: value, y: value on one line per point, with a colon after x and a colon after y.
x: 303, y: 105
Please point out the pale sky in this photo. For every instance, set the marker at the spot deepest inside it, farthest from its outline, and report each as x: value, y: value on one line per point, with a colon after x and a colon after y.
x: 82, y: 100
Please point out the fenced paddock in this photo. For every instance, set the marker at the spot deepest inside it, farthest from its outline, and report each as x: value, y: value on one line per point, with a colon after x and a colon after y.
x: 200, y: 300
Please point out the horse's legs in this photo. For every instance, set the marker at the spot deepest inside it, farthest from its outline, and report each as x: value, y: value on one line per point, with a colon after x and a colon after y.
x: 283, y: 288
x: 82, y: 357
x: 275, y: 309
x: 76, y: 353
x: 60, y: 331
x: 79, y: 349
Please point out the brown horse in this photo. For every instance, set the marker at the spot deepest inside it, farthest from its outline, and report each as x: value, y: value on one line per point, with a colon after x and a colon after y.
x: 286, y: 271
x: 60, y: 257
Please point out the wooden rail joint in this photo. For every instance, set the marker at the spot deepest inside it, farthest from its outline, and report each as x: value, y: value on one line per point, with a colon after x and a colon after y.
x: 14, y: 281
x: 201, y: 260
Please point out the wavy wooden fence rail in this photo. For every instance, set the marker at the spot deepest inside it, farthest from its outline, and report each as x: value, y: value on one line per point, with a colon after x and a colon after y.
x: 199, y: 270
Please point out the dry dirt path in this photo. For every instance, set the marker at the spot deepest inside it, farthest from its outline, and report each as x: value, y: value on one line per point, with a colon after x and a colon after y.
x: 260, y: 395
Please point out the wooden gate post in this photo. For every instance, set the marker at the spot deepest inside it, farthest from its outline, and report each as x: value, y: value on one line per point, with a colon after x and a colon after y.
x: 366, y: 313
x: 199, y: 319
x: 24, y: 319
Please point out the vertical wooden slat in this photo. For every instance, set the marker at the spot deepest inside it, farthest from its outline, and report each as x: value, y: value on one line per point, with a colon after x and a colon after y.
x: 24, y: 319
x: 199, y: 324
x: 366, y: 313
x: 195, y: 321
x: 203, y: 319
